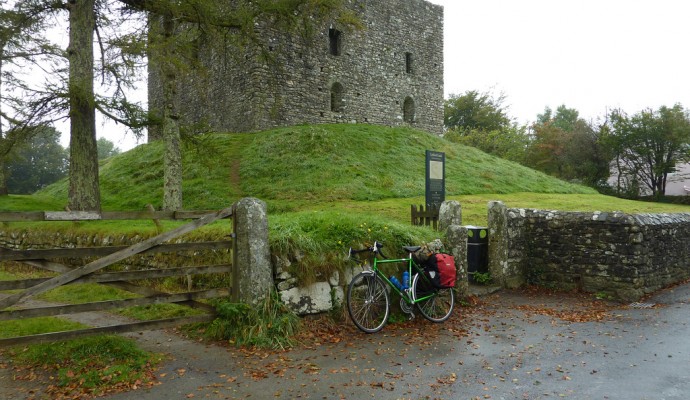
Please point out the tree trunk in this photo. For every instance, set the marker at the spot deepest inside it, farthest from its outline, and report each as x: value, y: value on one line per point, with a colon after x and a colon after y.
x: 84, y: 191
x: 172, y: 172
x: 3, y: 177
x: 3, y: 157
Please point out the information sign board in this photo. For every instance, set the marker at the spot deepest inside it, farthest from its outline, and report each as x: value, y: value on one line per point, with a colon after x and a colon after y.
x: 435, y: 178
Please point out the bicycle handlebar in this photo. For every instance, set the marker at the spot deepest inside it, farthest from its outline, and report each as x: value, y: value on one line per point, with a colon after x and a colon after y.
x: 376, y: 249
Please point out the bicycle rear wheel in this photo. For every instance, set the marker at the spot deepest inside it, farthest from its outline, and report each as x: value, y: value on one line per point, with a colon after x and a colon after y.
x: 368, y: 302
x: 437, y: 304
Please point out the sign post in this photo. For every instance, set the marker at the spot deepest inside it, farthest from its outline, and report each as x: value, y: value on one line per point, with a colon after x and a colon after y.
x: 435, y: 178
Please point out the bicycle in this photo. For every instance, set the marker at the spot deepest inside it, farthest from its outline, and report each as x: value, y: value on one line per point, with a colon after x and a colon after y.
x: 368, y: 300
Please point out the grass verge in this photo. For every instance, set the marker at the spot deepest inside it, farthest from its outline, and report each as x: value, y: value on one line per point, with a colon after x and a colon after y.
x: 92, y: 366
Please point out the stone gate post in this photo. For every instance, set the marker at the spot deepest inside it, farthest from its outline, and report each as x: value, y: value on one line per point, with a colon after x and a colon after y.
x: 449, y: 221
x: 253, y: 273
x: 500, y: 266
x: 450, y: 213
x: 456, y: 237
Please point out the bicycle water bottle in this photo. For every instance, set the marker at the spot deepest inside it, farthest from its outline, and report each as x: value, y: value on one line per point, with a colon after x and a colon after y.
x: 406, y: 280
x: 396, y: 282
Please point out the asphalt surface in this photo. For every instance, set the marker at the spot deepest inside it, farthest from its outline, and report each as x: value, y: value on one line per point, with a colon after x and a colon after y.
x: 511, y: 345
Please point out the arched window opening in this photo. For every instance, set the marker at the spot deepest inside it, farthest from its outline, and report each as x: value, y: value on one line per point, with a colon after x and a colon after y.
x: 409, y: 110
x: 335, y: 37
x: 337, y: 103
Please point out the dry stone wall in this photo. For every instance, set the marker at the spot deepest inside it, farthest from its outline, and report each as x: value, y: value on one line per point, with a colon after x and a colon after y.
x: 621, y: 255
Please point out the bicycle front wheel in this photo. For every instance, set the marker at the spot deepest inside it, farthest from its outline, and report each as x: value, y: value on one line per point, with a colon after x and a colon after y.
x: 368, y: 302
x: 435, y: 304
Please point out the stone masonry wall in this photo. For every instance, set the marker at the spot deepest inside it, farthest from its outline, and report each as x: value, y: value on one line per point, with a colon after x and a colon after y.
x: 621, y: 255
x: 290, y: 79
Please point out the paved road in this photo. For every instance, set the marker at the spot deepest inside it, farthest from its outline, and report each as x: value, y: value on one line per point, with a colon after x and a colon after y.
x: 514, y: 345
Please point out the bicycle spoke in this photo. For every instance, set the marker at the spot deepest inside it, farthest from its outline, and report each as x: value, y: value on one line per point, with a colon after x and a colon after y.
x: 368, y: 302
x: 438, y: 306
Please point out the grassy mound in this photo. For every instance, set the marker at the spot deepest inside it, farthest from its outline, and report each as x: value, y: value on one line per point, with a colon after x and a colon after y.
x: 330, y: 186
x: 321, y: 163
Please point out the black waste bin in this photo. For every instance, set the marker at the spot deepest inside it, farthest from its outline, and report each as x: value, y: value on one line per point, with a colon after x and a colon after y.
x: 477, y: 250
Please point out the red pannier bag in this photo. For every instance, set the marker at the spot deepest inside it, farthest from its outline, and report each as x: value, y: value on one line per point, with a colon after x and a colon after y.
x: 440, y: 269
x: 446, y: 270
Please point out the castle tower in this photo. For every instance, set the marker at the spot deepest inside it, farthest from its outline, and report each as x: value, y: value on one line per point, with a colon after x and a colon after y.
x: 388, y: 73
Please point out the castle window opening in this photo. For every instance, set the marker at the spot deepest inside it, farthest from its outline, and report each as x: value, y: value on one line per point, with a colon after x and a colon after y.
x: 408, y: 63
x: 409, y: 111
x: 337, y: 102
x: 335, y: 37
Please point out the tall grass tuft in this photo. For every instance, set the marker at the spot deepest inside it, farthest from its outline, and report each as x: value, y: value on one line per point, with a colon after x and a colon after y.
x: 269, y: 324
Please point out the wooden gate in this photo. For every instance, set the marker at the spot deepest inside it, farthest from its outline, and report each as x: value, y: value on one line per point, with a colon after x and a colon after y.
x: 426, y: 217
x: 110, y: 255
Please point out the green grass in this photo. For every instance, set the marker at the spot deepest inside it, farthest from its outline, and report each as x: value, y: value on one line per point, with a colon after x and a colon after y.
x: 159, y: 311
x: 6, y: 276
x: 92, y: 292
x: 29, y: 203
x: 269, y: 324
x: 91, y: 366
x: 35, y: 326
x: 85, y: 293
x: 321, y: 184
x: 291, y: 167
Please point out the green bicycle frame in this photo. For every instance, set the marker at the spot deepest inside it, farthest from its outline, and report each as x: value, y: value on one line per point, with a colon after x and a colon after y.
x: 405, y: 294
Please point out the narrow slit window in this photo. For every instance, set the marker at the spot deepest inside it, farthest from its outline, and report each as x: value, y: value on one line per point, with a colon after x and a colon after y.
x: 337, y: 103
x: 409, y: 111
x: 335, y: 37
x: 408, y: 63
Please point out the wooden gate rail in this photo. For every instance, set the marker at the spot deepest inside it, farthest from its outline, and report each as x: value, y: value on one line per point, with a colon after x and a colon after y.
x: 426, y: 217
x: 40, y: 254
x: 89, y: 273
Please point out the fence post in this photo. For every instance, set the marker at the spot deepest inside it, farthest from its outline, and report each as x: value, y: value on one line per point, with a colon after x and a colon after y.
x: 253, y: 276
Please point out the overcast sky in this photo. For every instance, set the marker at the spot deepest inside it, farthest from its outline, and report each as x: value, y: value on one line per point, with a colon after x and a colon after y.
x: 587, y: 54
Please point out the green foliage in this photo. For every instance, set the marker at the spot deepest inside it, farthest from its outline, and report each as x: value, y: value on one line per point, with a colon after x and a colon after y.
x: 509, y: 143
x: 482, y: 278
x: 270, y: 324
x: 37, y: 163
x: 93, y: 365
x: 648, y: 145
x: 603, y: 296
x: 475, y: 111
x: 564, y: 119
x: 106, y: 148
x: 569, y: 148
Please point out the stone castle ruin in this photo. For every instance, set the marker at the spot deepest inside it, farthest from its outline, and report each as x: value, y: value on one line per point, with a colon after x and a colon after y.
x: 388, y: 73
